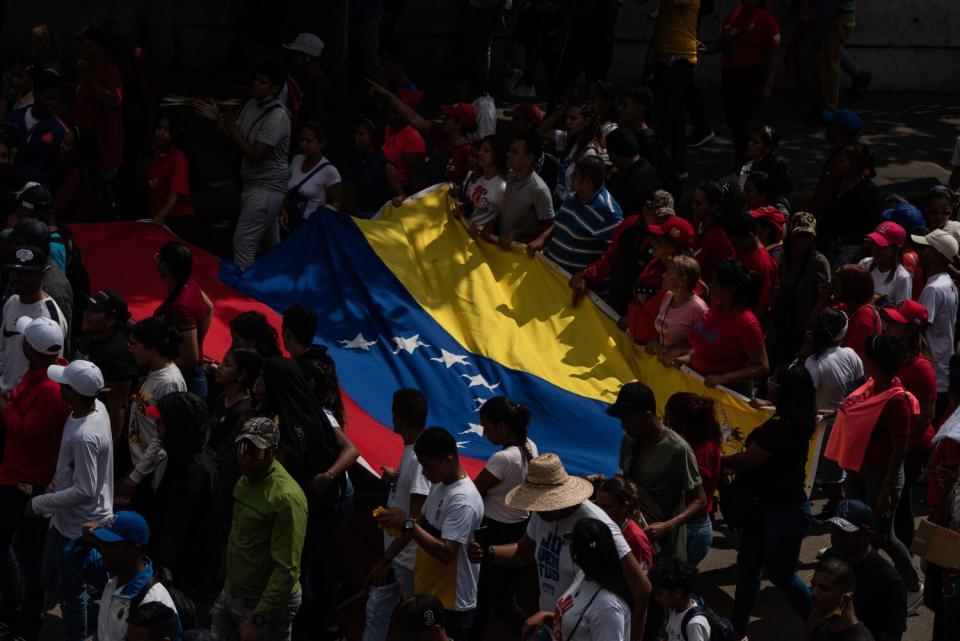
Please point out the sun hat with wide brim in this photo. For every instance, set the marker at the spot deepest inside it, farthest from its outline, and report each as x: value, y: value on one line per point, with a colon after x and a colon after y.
x: 548, y: 487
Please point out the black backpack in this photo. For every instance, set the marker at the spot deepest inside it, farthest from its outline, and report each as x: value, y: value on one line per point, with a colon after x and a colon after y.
x: 720, y: 628
x: 76, y: 274
x: 186, y: 608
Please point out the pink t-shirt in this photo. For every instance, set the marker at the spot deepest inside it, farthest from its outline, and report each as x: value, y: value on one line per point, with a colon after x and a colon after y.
x: 673, y: 324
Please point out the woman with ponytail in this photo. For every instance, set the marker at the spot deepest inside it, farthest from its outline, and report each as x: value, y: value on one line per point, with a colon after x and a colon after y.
x: 693, y: 417
x: 504, y: 424
x: 187, y: 309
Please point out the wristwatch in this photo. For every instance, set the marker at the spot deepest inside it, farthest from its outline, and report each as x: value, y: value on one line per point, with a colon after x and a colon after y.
x: 258, y: 619
x: 408, y: 525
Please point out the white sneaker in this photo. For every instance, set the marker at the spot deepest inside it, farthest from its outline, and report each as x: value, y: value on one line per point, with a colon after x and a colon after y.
x: 914, y: 599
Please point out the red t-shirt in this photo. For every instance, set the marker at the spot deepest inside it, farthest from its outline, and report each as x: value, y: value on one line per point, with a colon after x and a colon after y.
x: 169, y: 173
x: 894, y: 421
x: 760, y: 261
x: 34, y: 421
x: 400, y: 142
x: 458, y: 156
x: 89, y: 112
x: 722, y: 340
x: 754, y: 33
x: 919, y: 379
x: 642, y: 310
x: 864, y: 323
x: 187, y: 311
x: 639, y: 543
x: 708, y: 462
x: 712, y: 247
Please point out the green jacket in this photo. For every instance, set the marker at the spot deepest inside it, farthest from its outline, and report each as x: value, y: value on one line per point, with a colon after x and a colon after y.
x: 266, y: 539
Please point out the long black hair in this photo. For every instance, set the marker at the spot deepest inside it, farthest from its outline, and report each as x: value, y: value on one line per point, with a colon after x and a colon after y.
x: 593, y: 548
x: 254, y: 326
x: 185, y: 421
x: 886, y: 352
x: 178, y: 262
x: 321, y: 374
x: 249, y: 362
x: 796, y: 397
x: 746, y: 285
x: 515, y: 416
x: 306, y: 435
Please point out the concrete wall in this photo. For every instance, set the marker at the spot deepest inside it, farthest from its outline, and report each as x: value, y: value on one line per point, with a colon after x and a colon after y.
x: 907, y: 44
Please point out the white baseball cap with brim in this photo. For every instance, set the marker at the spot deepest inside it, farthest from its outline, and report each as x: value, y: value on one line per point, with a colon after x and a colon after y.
x: 42, y: 334
x: 83, y: 376
x: 548, y: 487
x: 307, y: 43
x: 942, y: 241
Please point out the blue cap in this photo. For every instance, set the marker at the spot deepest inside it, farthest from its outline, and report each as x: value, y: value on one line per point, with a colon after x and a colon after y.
x: 907, y: 216
x: 853, y: 516
x: 124, y: 526
x: 846, y: 120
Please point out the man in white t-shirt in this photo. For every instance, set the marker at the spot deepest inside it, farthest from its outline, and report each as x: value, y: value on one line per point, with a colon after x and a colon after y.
x: 936, y: 250
x: 26, y: 268
x: 451, y: 515
x: 82, y: 487
x: 557, y: 502
x: 392, y: 575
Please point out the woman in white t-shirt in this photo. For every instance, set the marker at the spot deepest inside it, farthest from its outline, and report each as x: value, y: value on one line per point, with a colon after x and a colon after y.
x: 890, y: 277
x: 314, y: 182
x: 596, y: 606
x: 504, y: 424
x: 483, y: 187
x: 583, y: 137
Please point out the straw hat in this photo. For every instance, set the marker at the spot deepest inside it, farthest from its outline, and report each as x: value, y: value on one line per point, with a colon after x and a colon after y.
x: 548, y: 487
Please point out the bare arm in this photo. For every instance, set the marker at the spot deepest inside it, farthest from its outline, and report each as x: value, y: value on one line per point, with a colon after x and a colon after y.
x: 641, y: 589
x: 547, y: 128
x: 119, y: 399
x: 514, y: 554
x: 393, y: 181
x: 161, y: 214
x: 189, y: 349
x: 104, y: 96
x: 758, y: 367
x: 749, y: 459
x: 485, y: 481
x: 335, y: 196
x: 406, y: 111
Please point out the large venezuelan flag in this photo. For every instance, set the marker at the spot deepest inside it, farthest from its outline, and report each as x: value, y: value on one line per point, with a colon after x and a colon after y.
x: 411, y: 300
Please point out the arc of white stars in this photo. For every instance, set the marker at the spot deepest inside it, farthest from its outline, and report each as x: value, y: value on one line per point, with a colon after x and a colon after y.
x: 450, y: 360
x: 479, y: 380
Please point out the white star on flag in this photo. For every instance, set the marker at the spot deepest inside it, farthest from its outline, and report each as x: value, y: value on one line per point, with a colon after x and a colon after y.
x: 473, y: 429
x: 478, y: 380
x: 408, y: 344
x: 358, y: 343
x: 478, y: 403
x: 462, y: 444
x: 450, y: 360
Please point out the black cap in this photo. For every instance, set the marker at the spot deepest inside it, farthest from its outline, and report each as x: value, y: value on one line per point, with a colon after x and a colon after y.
x: 109, y: 301
x: 31, y: 231
x: 853, y: 516
x: 35, y: 198
x: 634, y: 398
x: 419, y: 612
x: 27, y: 258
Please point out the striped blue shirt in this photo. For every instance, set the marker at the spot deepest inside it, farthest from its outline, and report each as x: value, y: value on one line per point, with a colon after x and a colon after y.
x: 582, y: 230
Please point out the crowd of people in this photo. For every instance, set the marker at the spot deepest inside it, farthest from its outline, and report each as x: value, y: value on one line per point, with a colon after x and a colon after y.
x: 160, y: 492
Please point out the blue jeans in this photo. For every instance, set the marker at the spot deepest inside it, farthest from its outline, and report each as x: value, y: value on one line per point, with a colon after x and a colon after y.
x: 771, y: 540
x: 382, y: 602
x: 66, y: 581
x: 196, y: 380
x: 699, y: 539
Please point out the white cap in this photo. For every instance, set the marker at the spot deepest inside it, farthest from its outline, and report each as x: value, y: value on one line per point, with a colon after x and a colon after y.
x: 83, y: 376
x: 307, y: 43
x: 940, y: 240
x: 43, y: 334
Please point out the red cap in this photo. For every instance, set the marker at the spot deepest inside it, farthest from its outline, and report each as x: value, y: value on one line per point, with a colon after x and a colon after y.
x: 910, y: 312
x: 529, y: 111
x: 771, y: 215
x: 888, y: 234
x: 676, y: 229
x: 462, y: 113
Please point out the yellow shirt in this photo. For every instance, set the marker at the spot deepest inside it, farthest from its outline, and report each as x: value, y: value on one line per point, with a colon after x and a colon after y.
x: 676, y: 35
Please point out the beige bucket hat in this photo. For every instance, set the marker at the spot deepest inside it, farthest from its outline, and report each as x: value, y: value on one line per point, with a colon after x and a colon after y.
x: 548, y: 487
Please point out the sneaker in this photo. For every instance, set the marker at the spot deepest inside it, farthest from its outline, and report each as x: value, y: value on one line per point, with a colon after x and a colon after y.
x: 699, y: 140
x: 914, y: 599
x: 860, y: 84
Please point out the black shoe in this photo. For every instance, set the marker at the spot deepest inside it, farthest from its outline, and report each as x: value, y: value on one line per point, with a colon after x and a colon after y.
x: 700, y: 139
x: 860, y: 84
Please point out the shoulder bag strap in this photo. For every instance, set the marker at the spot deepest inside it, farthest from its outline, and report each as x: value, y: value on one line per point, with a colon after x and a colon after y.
x: 259, y: 118
x: 580, y: 620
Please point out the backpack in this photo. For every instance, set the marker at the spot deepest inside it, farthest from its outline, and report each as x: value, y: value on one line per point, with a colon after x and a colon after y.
x: 76, y: 274
x: 186, y: 608
x: 720, y: 628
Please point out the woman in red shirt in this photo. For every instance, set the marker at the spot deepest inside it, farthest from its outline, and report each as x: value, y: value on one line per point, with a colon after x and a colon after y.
x: 728, y: 346
x: 710, y: 200
x: 618, y: 498
x: 749, y: 43
x: 852, y: 291
x: 693, y: 417
x: 169, y: 179
x: 187, y: 309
